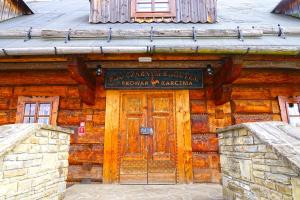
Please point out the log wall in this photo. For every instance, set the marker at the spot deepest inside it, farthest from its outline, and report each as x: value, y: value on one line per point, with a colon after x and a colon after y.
x: 254, y: 98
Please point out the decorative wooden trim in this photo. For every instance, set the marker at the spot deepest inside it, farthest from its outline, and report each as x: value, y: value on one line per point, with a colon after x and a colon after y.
x: 170, y: 13
x: 110, y: 163
x: 87, y: 83
x: 283, y: 101
x: 225, y: 77
x: 54, y: 107
x: 184, y: 137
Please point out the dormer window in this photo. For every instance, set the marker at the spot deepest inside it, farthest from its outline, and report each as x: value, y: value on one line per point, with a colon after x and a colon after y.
x: 153, y: 8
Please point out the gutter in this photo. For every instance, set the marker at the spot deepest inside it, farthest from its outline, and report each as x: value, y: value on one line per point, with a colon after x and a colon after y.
x: 239, y: 50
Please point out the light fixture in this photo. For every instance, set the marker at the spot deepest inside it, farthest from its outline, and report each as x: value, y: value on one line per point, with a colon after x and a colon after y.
x: 145, y: 59
x: 210, y: 70
x: 98, y: 70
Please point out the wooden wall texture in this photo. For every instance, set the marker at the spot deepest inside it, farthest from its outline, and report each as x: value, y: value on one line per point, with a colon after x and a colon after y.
x: 186, y: 11
x: 254, y: 98
x: 13, y: 8
x: 288, y: 7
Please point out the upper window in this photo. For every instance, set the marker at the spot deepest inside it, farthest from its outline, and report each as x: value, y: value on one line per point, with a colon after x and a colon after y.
x: 41, y: 110
x: 153, y: 8
x: 290, y: 110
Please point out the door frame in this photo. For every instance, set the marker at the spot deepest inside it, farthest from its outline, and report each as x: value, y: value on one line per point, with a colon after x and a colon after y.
x: 183, y: 136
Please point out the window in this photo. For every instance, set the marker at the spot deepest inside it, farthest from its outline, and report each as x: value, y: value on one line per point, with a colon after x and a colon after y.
x: 290, y: 110
x: 37, y: 110
x: 153, y: 8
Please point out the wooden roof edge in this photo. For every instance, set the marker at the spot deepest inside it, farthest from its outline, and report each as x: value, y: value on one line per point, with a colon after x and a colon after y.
x: 213, y: 49
x: 284, y: 5
x: 24, y: 6
x: 145, y: 33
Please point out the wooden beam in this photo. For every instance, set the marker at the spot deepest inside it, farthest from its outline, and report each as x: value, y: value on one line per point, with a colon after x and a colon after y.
x: 87, y: 83
x: 225, y: 77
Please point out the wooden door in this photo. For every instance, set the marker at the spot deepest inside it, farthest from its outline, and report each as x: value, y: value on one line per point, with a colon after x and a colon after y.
x: 147, y: 159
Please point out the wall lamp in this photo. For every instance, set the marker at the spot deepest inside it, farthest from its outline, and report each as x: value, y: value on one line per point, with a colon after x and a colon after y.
x: 99, y: 70
x: 210, y: 70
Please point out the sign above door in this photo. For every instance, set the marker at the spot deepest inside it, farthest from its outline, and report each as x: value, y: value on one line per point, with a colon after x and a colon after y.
x: 153, y: 78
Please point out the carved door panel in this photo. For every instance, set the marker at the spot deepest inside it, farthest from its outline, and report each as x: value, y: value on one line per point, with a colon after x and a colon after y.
x: 162, y: 144
x: 133, y: 157
x: 148, y: 158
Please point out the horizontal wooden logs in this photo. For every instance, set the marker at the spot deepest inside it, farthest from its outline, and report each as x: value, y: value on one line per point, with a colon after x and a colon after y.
x: 199, y: 124
x: 70, y: 117
x: 243, y: 118
x: 77, y: 173
x: 7, y: 117
x: 93, y: 135
x: 253, y: 106
x: 198, y: 106
x: 46, y: 91
x: 144, y: 33
x: 262, y: 76
x: 86, y: 153
x: 206, y: 168
x: 32, y: 77
x: 204, y: 143
x: 250, y: 93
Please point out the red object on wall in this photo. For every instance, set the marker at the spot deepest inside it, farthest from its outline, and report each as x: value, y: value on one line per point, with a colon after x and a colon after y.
x: 81, y: 129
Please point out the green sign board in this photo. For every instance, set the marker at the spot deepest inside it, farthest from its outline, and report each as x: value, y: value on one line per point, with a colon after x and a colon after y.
x: 153, y: 78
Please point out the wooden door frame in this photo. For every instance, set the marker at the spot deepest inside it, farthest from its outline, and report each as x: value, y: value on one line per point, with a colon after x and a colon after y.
x: 183, y: 136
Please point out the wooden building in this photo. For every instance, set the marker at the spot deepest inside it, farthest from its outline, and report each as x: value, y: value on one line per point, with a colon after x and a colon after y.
x: 13, y: 8
x: 146, y: 99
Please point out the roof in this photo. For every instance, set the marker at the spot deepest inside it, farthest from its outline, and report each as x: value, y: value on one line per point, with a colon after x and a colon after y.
x: 63, y: 15
x: 13, y: 8
x: 288, y: 7
x: 283, y: 138
x: 14, y: 134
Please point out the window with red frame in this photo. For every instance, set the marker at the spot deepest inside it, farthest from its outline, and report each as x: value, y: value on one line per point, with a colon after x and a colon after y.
x: 153, y: 8
x: 290, y: 110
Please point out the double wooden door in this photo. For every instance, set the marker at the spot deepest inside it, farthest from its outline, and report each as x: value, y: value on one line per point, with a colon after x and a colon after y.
x: 147, y: 138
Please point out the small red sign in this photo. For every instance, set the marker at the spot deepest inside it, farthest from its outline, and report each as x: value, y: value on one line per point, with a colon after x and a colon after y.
x: 81, y: 129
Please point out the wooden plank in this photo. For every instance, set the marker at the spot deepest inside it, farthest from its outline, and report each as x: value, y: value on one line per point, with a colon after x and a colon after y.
x: 253, y: 106
x: 77, y: 173
x: 34, y: 77
x: 86, y: 153
x: 87, y: 83
x: 199, y: 123
x: 110, y: 163
x: 205, y: 143
x: 243, y: 118
x: 183, y: 129
x: 263, y: 76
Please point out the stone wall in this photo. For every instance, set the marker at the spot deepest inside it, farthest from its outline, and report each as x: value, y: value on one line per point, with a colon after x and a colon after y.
x: 33, y: 161
x: 260, y: 161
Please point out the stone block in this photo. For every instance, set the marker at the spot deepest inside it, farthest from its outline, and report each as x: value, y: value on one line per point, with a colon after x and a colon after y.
x: 284, y: 189
x: 296, y: 188
x: 283, y: 170
x: 265, y: 168
x: 14, y: 173
x: 43, y: 140
x: 243, y: 132
x: 280, y: 178
x: 9, y: 157
x: 42, y: 134
x: 22, y: 148
x: 10, y: 165
x: 259, y: 174
x: 9, y: 189
x: 246, y: 169
x: 24, y: 186
x: 28, y: 156
x: 271, y: 156
x: 243, y: 140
